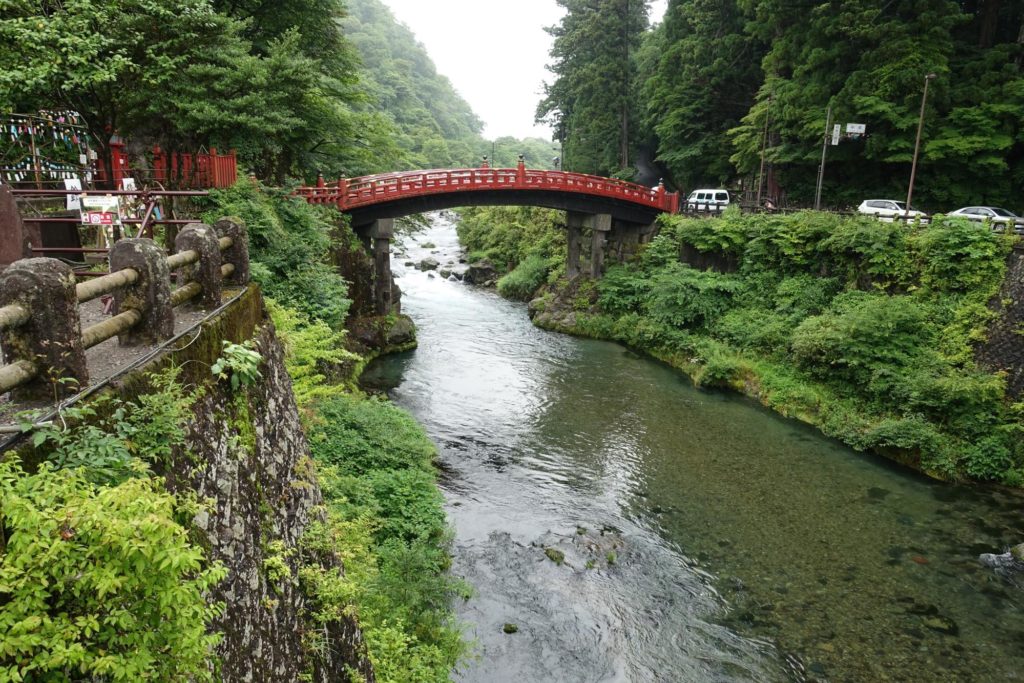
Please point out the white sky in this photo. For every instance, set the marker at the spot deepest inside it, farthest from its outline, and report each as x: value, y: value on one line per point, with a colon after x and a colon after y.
x: 494, y: 52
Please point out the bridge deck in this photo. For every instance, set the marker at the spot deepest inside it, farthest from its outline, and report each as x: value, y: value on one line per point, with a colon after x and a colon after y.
x: 357, y: 193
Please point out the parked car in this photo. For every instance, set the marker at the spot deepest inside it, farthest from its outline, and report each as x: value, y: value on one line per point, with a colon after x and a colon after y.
x: 707, y: 200
x: 888, y: 209
x: 999, y: 218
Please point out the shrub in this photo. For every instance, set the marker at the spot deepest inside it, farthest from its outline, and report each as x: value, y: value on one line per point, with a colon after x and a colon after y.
x: 101, y: 583
x: 525, y: 279
x: 862, y: 335
x: 955, y: 254
x: 682, y: 296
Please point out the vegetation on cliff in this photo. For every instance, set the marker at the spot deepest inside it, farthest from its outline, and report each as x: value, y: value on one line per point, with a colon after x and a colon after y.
x: 383, y: 511
x: 100, y: 576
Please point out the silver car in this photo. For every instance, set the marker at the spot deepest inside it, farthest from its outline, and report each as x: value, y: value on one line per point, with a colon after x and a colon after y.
x: 888, y: 210
x: 994, y: 215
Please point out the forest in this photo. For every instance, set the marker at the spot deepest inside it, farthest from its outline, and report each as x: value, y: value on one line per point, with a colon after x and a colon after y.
x: 297, y: 87
x: 719, y: 82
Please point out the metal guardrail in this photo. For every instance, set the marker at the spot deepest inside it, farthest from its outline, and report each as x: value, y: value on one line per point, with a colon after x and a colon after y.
x: 203, y: 267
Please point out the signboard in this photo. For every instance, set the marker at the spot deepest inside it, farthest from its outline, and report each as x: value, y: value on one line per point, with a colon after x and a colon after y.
x: 835, y: 134
x: 100, y: 210
x: 128, y: 184
x: 74, y: 202
x: 855, y: 128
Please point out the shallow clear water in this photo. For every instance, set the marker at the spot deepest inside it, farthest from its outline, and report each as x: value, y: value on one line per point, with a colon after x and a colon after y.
x: 704, y: 538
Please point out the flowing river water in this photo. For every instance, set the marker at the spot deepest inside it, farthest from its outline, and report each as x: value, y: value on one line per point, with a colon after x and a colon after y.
x: 634, y: 528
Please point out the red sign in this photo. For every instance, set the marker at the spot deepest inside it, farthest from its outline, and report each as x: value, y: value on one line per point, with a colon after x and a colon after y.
x: 98, y: 218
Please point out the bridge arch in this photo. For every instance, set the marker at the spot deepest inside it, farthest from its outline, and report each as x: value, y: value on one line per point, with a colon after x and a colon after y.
x: 616, y: 211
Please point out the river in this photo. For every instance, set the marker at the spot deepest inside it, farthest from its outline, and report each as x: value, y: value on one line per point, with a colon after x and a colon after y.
x: 702, y: 538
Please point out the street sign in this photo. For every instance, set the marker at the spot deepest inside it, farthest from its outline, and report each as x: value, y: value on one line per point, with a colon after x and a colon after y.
x: 855, y: 128
x: 835, y: 134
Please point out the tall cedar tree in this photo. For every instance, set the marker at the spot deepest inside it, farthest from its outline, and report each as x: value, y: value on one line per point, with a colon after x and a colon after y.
x: 592, y: 104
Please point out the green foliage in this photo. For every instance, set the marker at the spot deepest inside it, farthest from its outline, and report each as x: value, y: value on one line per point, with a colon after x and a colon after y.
x: 682, y: 296
x: 289, y: 244
x: 101, y: 583
x: 525, y: 279
x: 385, y: 519
x: 106, y: 436
x: 239, y: 364
x: 863, y: 328
x: 508, y: 235
x: 377, y: 475
x: 314, y: 353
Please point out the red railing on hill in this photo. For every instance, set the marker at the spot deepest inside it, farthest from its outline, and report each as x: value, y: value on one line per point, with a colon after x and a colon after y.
x: 353, y: 193
x: 201, y: 170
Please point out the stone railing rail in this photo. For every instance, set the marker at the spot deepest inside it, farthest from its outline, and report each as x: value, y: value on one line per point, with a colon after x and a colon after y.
x: 41, y: 335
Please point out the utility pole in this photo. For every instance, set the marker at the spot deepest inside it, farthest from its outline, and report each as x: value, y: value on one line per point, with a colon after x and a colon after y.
x: 917, y: 143
x: 824, y: 150
x: 764, y: 144
x: 624, y: 139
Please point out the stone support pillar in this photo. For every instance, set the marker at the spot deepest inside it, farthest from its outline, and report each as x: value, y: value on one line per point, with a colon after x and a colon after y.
x: 575, y: 221
x: 238, y: 253
x: 381, y: 233
x: 602, y: 225
x: 206, y: 272
x: 150, y: 295
x: 51, y: 339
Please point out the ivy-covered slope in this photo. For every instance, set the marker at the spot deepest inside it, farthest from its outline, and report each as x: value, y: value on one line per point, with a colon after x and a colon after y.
x: 865, y: 329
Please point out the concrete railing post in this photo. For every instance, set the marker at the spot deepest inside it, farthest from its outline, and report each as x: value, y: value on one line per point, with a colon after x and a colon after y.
x: 150, y: 295
x: 601, y: 226
x: 52, y: 337
x: 206, y: 272
x: 238, y: 253
x: 381, y: 233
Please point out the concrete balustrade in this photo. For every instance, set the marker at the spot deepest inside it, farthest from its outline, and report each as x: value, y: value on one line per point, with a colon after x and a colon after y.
x: 40, y: 326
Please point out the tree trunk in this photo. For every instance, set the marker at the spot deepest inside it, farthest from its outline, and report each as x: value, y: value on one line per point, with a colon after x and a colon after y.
x: 989, y: 23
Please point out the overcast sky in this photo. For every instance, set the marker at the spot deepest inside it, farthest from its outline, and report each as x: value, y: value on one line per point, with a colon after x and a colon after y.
x: 494, y: 52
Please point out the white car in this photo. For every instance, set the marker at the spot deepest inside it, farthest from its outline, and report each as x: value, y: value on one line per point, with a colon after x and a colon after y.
x: 888, y: 209
x: 708, y: 200
x: 999, y: 218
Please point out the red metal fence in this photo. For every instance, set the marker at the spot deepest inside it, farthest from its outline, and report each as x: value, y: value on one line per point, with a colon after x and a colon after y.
x: 358, y: 192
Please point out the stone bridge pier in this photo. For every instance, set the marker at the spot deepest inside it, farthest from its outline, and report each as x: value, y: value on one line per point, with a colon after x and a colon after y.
x: 376, y: 237
x: 609, y: 240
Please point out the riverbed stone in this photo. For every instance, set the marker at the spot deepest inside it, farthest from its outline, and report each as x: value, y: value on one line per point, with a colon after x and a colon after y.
x: 429, y: 263
x: 480, y: 272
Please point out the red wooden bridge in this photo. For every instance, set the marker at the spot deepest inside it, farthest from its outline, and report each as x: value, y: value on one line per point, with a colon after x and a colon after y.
x: 390, y: 195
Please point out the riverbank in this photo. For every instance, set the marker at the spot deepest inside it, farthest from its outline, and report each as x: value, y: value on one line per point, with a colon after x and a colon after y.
x: 866, y: 330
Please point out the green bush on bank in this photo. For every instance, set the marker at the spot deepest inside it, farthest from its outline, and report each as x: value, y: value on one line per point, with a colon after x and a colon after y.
x: 509, y: 236
x: 862, y: 327
x: 384, y: 518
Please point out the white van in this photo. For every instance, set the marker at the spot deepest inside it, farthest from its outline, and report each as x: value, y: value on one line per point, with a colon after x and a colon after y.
x: 707, y: 200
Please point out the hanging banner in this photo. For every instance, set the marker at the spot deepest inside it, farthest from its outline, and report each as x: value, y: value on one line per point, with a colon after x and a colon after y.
x: 100, y: 210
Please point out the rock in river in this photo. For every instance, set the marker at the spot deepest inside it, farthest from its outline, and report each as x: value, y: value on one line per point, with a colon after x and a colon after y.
x: 480, y: 272
x: 429, y: 263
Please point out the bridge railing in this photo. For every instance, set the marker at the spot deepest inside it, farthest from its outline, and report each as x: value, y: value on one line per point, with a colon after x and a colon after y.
x: 356, y: 192
x: 41, y: 335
